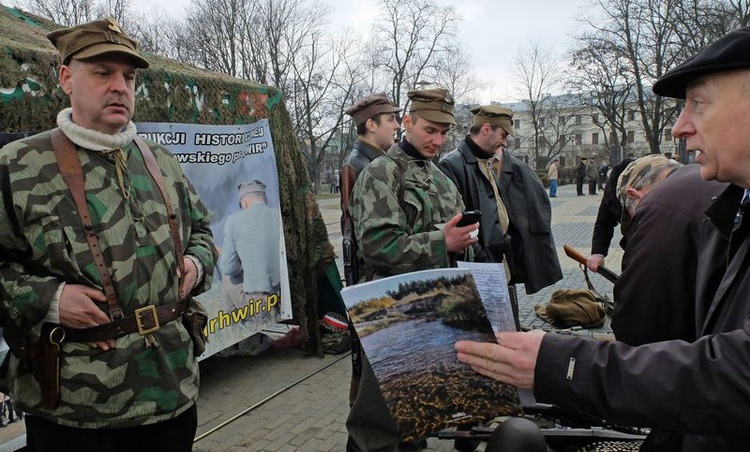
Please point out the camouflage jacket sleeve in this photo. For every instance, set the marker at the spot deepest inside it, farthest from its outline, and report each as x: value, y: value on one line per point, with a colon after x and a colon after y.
x: 395, y: 235
x: 26, y: 289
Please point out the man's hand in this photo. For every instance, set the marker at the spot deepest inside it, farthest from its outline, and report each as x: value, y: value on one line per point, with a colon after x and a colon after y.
x: 457, y: 239
x: 512, y: 360
x: 594, y: 261
x: 190, y: 278
x: 78, y: 310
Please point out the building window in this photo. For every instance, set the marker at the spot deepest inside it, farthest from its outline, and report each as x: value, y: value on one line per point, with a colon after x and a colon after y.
x: 517, y: 143
x: 631, y: 136
x: 561, y: 120
x: 595, y: 138
x: 517, y: 124
x: 579, y: 138
x: 667, y: 134
x: 578, y: 120
x: 562, y: 140
x: 595, y: 118
x: 541, y: 122
x: 631, y: 115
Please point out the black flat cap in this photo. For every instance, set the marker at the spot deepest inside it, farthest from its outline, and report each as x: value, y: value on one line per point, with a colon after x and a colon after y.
x: 730, y: 52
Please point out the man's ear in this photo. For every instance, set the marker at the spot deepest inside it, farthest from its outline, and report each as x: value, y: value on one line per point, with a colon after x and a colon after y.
x: 406, y: 121
x: 633, y: 193
x: 66, y: 79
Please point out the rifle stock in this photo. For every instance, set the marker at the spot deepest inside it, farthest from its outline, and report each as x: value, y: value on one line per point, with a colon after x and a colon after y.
x: 572, y: 253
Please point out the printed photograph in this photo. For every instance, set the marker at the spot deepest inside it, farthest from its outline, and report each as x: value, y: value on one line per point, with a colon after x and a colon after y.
x: 407, y: 325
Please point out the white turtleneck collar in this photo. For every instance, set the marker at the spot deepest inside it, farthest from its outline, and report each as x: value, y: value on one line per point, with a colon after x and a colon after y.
x: 92, y: 139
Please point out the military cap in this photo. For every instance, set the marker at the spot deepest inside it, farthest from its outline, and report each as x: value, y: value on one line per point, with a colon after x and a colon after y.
x: 495, y: 116
x: 434, y: 105
x: 636, y: 171
x: 369, y: 107
x: 253, y: 186
x: 730, y: 52
x: 96, y: 38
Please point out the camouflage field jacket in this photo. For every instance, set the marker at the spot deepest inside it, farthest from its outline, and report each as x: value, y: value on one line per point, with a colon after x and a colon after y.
x: 396, y: 204
x: 42, y: 245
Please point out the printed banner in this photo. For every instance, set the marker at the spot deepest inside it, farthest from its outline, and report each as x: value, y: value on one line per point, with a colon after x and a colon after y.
x: 233, y: 169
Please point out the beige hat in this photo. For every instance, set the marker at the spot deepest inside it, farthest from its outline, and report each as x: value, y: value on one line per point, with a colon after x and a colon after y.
x: 636, y: 171
x: 369, y: 107
x: 96, y: 38
x: 495, y: 116
x: 253, y: 186
x: 434, y: 105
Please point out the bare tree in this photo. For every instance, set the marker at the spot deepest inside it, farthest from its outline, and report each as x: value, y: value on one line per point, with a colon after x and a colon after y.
x: 538, y: 72
x: 411, y: 38
x: 602, y: 84
x: 321, y: 90
x: 63, y: 12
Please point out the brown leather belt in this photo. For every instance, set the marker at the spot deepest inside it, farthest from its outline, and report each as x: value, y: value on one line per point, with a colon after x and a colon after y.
x: 144, y: 321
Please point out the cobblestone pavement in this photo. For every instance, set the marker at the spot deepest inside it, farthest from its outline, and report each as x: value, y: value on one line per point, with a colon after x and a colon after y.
x: 282, y: 400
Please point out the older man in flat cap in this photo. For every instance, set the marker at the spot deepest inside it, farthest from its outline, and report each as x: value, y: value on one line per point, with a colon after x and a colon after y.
x: 100, y: 265
x: 398, y: 203
x: 697, y: 390
x: 516, y: 214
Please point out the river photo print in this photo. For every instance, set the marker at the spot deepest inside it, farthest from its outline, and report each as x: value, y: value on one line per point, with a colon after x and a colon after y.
x: 407, y: 325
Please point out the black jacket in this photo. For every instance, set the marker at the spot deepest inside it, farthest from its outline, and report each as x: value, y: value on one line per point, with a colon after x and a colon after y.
x: 699, y: 389
x: 533, y: 260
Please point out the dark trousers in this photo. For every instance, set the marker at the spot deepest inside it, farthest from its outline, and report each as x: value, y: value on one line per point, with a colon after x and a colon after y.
x: 174, y: 435
x: 592, y: 187
x: 579, y: 185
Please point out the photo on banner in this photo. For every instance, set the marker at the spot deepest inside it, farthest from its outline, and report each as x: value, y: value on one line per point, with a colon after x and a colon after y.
x: 233, y: 170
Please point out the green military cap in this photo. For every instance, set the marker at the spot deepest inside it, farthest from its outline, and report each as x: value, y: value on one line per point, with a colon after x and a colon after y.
x: 495, y: 116
x: 434, y: 105
x: 96, y: 38
x: 369, y: 107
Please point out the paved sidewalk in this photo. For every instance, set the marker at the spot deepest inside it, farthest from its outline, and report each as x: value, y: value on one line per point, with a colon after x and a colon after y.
x: 282, y: 400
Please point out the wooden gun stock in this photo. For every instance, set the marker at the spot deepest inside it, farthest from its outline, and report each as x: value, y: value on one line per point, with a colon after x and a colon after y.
x: 574, y: 254
x: 581, y: 259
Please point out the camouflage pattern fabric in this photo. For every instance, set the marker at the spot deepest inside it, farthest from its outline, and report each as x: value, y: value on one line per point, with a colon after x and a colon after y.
x: 42, y: 245
x: 396, y: 204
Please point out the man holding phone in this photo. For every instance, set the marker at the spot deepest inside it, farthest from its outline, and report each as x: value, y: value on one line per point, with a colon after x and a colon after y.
x: 398, y: 204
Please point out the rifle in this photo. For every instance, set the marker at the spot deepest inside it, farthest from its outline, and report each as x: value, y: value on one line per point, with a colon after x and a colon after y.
x: 348, y: 243
x: 349, y: 249
x: 580, y: 258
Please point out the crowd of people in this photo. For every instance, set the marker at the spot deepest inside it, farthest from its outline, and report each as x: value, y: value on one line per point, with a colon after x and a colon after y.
x: 99, y: 270
x: 680, y: 362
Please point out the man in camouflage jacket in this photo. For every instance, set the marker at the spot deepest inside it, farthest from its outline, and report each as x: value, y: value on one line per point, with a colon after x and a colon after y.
x: 128, y: 391
x: 405, y: 213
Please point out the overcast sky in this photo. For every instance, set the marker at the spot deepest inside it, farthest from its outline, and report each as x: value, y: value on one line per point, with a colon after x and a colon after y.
x: 493, y: 31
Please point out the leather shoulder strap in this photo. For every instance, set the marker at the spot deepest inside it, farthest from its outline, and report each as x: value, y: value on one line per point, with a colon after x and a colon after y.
x: 155, y: 171
x: 70, y: 169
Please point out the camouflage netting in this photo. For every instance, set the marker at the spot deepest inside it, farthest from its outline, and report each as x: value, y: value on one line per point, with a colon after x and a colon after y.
x: 170, y: 91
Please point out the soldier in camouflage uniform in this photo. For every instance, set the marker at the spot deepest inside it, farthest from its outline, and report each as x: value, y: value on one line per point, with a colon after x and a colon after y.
x: 126, y: 391
x: 405, y: 213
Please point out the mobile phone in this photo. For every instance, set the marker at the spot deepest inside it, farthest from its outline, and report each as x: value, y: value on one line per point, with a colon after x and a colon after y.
x: 469, y: 217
